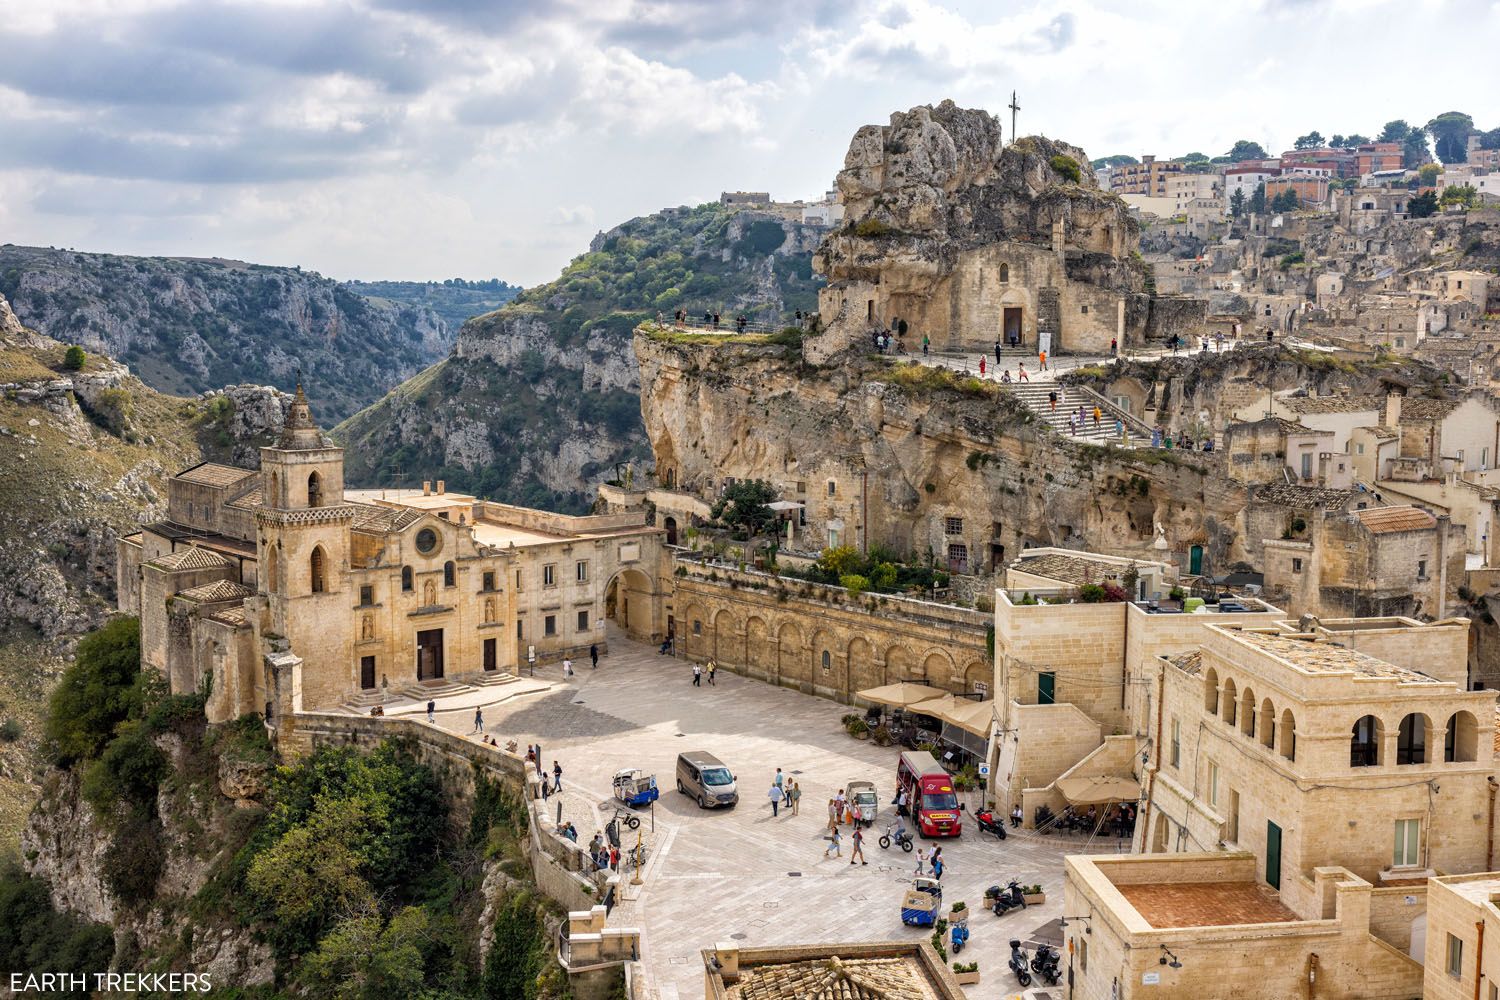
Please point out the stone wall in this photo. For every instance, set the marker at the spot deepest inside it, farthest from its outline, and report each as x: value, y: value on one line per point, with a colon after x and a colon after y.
x: 820, y: 640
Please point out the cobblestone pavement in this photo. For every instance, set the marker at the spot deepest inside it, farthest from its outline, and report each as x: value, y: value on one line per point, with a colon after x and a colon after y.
x: 738, y: 874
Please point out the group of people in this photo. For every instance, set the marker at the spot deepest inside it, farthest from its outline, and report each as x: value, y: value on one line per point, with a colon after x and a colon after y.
x: 931, y: 863
x: 700, y: 671
x: 711, y: 318
x: 601, y: 854
x: 784, y: 792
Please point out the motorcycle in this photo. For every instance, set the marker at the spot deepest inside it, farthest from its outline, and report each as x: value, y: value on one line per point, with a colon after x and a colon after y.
x: 1045, y: 962
x: 988, y: 823
x: 958, y: 933
x: 901, y: 837
x: 1018, y: 964
x: 1006, y: 899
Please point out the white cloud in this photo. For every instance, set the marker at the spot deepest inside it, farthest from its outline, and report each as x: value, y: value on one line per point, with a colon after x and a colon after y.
x: 573, y: 215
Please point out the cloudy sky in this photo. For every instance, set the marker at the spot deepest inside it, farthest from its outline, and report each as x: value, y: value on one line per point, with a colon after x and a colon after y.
x: 492, y: 138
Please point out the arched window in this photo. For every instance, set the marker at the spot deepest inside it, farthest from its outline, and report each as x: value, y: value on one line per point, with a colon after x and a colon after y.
x: 268, y: 583
x: 1004, y: 272
x: 1247, y: 713
x: 275, y: 498
x: 1211, y: 692
x: 448, y: 573
x: 1288, y: 734
x: 1364, y: 742
x: 1230, y: 701
x: 315, y: 565
x: 1267, y: 725
x: 314, y: 490
x: 406, y: 578
x: 1411, y: 740
x: 1462, y: 740
x: 827, y: 660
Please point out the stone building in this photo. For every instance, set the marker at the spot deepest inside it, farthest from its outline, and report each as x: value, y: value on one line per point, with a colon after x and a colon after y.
x: 969, y: 241
x: 871, y: 970
x: 1300, y: 786
x: 277, y: 590
x: 1462, y: 947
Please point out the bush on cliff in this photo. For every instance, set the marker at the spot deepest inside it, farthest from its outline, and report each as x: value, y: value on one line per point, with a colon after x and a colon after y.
x: 33, y: 935
x: 96, y: 693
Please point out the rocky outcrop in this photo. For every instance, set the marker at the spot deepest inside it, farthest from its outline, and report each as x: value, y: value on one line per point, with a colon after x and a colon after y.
x: 188, y: 325
x: 539, y: 402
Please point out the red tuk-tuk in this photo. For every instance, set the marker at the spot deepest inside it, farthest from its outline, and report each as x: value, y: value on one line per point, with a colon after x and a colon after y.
x: 929, y: 794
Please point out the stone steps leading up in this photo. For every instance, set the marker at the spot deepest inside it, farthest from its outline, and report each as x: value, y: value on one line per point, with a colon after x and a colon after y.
x: 493, y: 678
x: 437, y: 688
x: 1069, y: 399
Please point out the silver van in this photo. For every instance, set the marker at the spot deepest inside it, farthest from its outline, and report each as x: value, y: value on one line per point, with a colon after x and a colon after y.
x: 703, y: 777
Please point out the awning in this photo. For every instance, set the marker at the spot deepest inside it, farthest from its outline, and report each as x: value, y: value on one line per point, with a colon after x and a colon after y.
x: 965, y: 713
x: 1099, y: 789
x: 781, y: 505
x: 901, y: 695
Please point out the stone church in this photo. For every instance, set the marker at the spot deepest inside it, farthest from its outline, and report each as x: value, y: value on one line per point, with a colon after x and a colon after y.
x: 278, y: 590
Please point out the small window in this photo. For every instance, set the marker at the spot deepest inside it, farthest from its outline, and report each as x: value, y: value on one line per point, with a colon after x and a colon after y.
x: 1359, y: 449
x: 489, y: 580
x: 1421, y: 569
x: 953, y: 525
x: 366, y: 595
x: 520, y: 629
x: 1085, y: 310
x: 406, y: 579
x: 1455, y: 957
x: 1408, y: 841
x: 832, y: 487
x: 448, y: 573
x: 583, y: 621
x: 549, y: 625
x: 1213, y: 783
x: 582, y: 570
x: 316, y: 571
x: 1296, y: 565
x: 518, y: 581
x: 697, y: 627
x: 1176, y: 742
x: 827, y: 660
x: 549, y: 576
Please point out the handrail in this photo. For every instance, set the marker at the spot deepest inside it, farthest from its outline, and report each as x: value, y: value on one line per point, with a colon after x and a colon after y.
x: 1129, y: 419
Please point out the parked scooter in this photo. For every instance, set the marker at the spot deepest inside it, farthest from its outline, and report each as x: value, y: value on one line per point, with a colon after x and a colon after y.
x: 1018, y: 964
x: 1045, y: 962
x: 990, y: 823
x: 958, y: 933
x: 900, y: 835
x: 1006, y: 899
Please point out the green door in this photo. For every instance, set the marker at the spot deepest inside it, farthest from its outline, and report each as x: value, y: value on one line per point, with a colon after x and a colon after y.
x: 1046, y: 688
x: 1195, y: 560
x: 1273, y: 855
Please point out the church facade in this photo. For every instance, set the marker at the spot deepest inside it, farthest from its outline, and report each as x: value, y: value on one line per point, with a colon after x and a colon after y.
x: 278, y: 590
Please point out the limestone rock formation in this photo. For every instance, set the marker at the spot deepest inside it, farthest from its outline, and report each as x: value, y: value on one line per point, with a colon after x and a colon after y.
x: 942, y: 220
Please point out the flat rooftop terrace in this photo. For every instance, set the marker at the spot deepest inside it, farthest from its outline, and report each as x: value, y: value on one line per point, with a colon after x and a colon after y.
x: 1205, y: 904
x: 1324, y: 657
x: 504, y: 535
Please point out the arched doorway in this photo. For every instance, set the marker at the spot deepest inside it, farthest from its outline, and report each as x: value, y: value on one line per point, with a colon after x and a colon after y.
x: 630, y: 603
x: 670, y: 523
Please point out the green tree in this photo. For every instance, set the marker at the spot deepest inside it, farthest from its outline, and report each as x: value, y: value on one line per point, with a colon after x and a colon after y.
x: 1394, y: 131
x: 1414, y: 151
x: 1117, y: 160
x: 74, y: 358
x: 1237, y: 203
x: 1312, y: 140
x: 1423, y: 205
x: 1258, y: 199
x: 842, y: 561
x: 1351, y: 141
x: 1429, y: 173
x: 743, y: 505
x: 1245, y: 149
x: 361, y: 960
x: 1337, y: 141
x: 1286, y: 201
x: 1450, y: 133
x: 97, y: 692
x: 1490, y: 139
x: 1459, y: 194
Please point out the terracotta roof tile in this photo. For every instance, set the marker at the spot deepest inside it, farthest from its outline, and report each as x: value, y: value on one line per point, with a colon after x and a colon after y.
x: 1303, y: 497
x: 249, y: 501
x: 192, y: 557
x: 1331, y: 404
x: 214, y: 474
x: 1427, y: 408
x: 1389, y: 520
x: 1077, y: 570
x: 835, y: 979
x: 219, y: 590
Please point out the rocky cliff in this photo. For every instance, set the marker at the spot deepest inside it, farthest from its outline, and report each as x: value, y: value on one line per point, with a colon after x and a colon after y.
x: 187, y: 325
x: 538, y: 401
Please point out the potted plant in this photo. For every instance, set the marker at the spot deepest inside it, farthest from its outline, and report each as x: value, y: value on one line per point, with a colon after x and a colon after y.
x: 1033, y: 895
x: 966, y: 973
x: 859, y: 729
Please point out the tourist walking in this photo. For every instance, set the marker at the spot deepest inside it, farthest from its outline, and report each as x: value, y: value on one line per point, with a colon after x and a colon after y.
x: 921, y: 860
x: 981, y: 366
x: 780, y: 782
x: 567, y: 667
x: 479, y: 720
x: 936, y: 863
x: 712, y: 669
x: 1021, y: 375
x: 1043, y: 356
x: 794, y: 796
x: 697, y: 675
x: 833, y: 815
x: 1114, y: 345
x: 594, y: 655
x: 857, y: 838
x: 1097, y: 415
x: 556, y: 776
x: 431, y: 709
x: 925, y: 344
x: 997, y: 350
x: 835, y: 845
x: 775, y: 796
x: 1052, y: 398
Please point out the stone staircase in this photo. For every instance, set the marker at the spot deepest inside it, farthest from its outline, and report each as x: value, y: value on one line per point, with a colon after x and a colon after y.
x: 492, y: 678
x: 440, y: 687
x: 1069, y: 399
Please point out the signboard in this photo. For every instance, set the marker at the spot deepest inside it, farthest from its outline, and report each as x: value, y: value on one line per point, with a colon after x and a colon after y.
x: 984, y: 770
x: 1150, y: 978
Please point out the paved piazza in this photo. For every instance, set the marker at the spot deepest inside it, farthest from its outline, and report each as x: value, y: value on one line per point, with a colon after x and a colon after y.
x: 737, y: 874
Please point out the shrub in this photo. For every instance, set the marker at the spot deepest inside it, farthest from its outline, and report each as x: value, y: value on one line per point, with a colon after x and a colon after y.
x: 881, y: 736
x: 114, y: 408
x: 10, y: 730
x: 33, y: 935
x: 74, y: 358
x: 130, y: 769
x: 132, y: 863
x: 1066, y: 167
x: 855, y: 584
x: 857, y: 727
x: 97, y: 692
x: 872, y: 228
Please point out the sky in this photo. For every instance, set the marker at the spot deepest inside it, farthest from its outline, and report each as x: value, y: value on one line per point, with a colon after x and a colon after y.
x: 426, y: 139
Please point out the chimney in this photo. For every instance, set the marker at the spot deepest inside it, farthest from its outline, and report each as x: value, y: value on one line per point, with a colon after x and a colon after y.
x: 728, y: 957
x: 427, y: 487
x: 442, y: 487
x: 1392, y: 408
